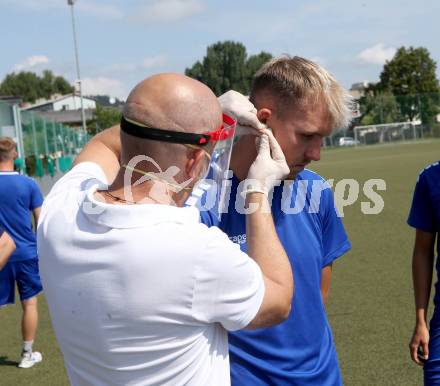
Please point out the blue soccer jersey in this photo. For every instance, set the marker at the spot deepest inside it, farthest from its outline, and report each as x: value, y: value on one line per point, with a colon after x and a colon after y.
x: 299, y: 351
x: 425, y: 215
x: 19, y: 195
x: 425, y: 209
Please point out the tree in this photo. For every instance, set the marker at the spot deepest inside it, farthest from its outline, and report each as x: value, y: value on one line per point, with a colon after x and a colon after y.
x: 379, y: 108
x: 29, y: 86
x: 52, y: 84
x: 227, y: 66
x: 24, y: 84
x: 103, y: 118
x: 411, y: 77
x: 253, y: 64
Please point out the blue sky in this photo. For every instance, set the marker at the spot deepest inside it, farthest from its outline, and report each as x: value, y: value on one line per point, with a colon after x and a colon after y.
x: 122, y: 42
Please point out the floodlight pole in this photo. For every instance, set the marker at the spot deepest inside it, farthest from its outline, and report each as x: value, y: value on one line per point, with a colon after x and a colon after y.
x: 83, y: 117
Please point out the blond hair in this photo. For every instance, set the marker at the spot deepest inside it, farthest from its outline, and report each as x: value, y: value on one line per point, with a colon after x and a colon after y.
x: 294, y: 79
x: 7, y: 147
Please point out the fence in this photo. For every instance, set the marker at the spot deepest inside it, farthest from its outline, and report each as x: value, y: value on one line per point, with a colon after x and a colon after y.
x: 387, y: 132
x: 45, y: 147
x: 386, y: 118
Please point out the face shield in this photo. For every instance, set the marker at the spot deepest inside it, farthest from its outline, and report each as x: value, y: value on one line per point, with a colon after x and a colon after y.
x: 212, y: 184
x: 221, y: 154
x: 222, y: 138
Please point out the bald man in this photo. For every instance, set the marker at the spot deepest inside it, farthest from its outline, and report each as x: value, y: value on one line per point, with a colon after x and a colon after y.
x: 139, y: 292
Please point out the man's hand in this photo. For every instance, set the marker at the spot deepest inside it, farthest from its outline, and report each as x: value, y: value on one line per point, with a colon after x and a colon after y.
x: 418, y: 347
x: 238, y: 106
x: 269, y: 167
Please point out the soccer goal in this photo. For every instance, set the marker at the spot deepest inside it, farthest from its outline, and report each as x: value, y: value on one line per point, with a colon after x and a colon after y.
x: 387, y: 132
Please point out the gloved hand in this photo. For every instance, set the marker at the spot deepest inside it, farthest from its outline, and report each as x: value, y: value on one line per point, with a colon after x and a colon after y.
x: 238, y: 106
x: 269, y: 167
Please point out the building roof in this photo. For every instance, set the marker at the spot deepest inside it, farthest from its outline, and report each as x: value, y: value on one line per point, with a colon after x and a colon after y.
x: 51, y: 101
x: 70, y: 117
x: 10, y: 99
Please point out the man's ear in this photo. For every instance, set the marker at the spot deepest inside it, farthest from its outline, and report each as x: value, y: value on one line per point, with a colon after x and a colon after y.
x: 195, y: 163
x: 264, y: 115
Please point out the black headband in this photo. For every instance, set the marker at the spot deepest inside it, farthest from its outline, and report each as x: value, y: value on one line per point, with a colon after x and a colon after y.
x: 163, y: 135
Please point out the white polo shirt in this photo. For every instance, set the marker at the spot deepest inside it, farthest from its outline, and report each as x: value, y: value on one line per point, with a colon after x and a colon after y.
x: 140, y: 294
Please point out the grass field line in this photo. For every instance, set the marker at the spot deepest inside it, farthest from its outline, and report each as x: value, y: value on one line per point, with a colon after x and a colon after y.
x: 384, y: 145
x: 374, y: 158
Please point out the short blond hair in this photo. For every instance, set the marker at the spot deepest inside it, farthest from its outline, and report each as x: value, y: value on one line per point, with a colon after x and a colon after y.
x: 294, y: 79
x: 7, y: 147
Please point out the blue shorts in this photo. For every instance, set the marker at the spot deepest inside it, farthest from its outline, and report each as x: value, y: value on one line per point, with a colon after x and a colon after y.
x: 27, y: 276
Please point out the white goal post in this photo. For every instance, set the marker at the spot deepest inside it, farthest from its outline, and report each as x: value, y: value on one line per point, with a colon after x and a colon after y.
x: 386, y: 132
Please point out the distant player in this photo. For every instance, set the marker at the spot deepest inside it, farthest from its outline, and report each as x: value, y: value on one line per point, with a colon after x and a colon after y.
x: 19, y: 198
x: 425, y: 218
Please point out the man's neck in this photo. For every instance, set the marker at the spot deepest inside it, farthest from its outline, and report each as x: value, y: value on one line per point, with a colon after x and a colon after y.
x: 7, y: 166
x: 243, y: 155
x: 148, y: 192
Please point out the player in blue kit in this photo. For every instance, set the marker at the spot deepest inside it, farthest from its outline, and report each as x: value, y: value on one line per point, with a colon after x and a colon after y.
x: 425, y: 218
x: 19, y: 197
x: 302, y: 103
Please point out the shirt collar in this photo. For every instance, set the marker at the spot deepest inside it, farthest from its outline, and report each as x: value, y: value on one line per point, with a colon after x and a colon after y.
x: 134, y: 216
x: 7, y: 173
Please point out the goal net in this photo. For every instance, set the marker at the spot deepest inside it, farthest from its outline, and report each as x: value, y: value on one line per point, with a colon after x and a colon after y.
x: 387, y: 132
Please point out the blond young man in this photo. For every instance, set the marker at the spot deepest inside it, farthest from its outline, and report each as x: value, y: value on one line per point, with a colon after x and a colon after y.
x: 302, y: 103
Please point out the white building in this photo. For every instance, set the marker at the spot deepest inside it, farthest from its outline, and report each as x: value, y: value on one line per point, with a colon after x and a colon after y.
x: 357, y: 90
x: 63, y: 103
x: 64, y: 109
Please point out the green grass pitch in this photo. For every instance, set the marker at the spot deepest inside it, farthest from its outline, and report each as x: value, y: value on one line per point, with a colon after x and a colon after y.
x: 371, y: 303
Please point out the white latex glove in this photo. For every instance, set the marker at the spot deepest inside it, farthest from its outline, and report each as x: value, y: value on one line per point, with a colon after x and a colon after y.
x: 239, y: 107
x: 269, y: 167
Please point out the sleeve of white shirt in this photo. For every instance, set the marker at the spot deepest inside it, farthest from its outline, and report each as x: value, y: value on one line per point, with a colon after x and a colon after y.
x: 66, y: 190
x: 229, y: 286
x: 79, y: 175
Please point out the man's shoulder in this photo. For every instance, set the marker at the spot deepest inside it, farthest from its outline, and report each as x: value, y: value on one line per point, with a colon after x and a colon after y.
x: 310, y: 175
x: 87, y: 168
x: 30, y: 181
x: 431, y: 171
x: 210, y: 234
x: 17, y: 176
x: 78, y: 178
x: 315, y: 183
x: 215, y: 240
x: 21, y: 181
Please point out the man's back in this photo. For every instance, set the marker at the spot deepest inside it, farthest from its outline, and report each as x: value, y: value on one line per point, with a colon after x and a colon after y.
x: 19, y: 195
x: 139, y: 294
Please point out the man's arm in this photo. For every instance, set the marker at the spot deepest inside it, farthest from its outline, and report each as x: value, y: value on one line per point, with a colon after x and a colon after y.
x: 265, y: 248
x: 7, y: 247
x: 263, y: 243
x: 326, y: 278
x: 103, y: 149
x: 422, y: 267
x: 36, y: 214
